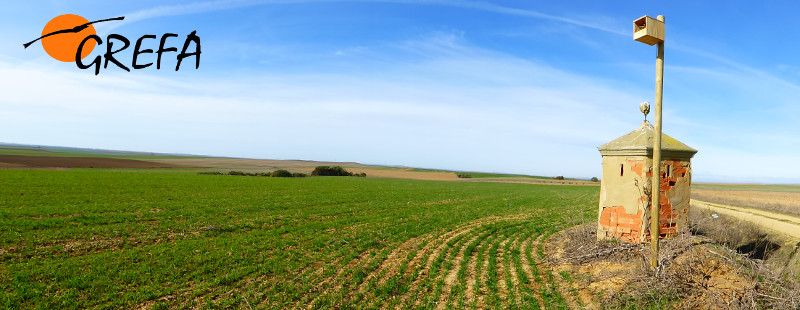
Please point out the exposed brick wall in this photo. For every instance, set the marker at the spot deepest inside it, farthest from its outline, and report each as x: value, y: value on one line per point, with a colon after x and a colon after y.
x: 615, y: 222
x: 671, y: 171
x: 637, y: 167
x: 621, y: 225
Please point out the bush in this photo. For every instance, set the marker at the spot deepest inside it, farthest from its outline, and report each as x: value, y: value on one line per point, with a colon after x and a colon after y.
x: 211, y: 172
x: 280, y: 173
x: 463, y: 175
x: 335, y: 171
x: 560, y: 177
x: 594, y: 179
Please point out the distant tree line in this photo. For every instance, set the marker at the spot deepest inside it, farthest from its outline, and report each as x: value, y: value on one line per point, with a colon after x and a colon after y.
x: 281, y: 173
x: 335, y: 171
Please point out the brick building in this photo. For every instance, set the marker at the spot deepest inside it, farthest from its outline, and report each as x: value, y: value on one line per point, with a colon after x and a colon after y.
x: 624, y: 212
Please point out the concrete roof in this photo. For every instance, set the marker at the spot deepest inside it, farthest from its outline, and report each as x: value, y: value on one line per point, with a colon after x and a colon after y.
x: 640, y: 142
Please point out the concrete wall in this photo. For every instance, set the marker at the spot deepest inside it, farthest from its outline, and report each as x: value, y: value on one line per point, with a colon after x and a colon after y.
x: 624, y: 211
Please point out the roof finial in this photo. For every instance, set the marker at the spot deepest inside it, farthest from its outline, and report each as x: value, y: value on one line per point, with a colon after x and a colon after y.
x: 645, y: 108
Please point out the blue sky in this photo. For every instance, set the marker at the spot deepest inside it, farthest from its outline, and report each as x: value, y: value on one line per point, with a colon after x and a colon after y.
x: 508, y: 86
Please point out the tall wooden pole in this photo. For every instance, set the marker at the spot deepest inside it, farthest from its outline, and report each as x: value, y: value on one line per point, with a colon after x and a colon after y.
x: 655, y: 202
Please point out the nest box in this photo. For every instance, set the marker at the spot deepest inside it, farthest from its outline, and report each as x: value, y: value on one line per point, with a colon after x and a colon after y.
x: 624, y: 212
x: 648, y: 30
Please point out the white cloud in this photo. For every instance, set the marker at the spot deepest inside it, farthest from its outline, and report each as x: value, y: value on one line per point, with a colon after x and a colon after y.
x: 459, y: 107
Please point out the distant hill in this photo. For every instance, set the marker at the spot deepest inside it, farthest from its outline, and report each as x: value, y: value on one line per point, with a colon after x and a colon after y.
x: 22, y: 156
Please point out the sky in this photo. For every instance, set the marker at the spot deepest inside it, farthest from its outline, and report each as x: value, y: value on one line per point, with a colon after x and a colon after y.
x: 530, y: 87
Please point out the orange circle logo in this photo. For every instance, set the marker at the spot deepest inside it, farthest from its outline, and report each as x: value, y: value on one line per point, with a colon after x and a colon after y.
x: 64, y: 46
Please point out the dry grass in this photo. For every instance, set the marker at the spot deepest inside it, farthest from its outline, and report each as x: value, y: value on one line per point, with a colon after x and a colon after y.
x: 533, y: 181
x: 787, y: 202
x: 696, y: 272
x: 775, y: 264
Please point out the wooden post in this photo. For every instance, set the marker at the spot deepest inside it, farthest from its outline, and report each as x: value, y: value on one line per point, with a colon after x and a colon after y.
x: 655, y: 202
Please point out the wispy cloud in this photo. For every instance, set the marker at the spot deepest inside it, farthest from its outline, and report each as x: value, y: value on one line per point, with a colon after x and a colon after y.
x: 209, y: 6
x: 180, y: 9
x: 491, y: 7
x: 501, y: 113
x: 436, y: 101
x: 730, y: 63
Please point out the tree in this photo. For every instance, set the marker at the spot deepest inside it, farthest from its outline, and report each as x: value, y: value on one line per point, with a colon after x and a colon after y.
x: 280, y: 173
x: 335, y: 171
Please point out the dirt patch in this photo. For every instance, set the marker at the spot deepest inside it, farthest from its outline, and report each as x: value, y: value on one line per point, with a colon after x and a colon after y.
x: 25, y: 161
x: 693, y: 273
x: 406, y: 174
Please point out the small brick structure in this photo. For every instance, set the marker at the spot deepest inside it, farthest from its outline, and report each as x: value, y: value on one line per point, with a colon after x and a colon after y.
x: 625, y: 189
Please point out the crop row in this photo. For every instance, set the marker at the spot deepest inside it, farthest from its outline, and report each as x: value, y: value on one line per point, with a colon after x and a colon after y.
x: 159, y: 239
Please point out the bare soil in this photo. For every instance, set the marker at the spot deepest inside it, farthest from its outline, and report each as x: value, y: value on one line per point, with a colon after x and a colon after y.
x: 695, y: 272
x: 693, y: 275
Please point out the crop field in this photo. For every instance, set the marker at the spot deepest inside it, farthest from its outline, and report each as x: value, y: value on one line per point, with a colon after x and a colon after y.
x: 166, y: 238
x: 747, y: 187
x: 73, y: 152
x: 779, y: 198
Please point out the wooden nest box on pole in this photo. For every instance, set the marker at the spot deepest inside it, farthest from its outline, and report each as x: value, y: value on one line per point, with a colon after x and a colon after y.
x: 648, y: 30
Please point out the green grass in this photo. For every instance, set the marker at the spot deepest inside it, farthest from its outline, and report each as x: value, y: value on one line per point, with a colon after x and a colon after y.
x: 69, y: 152
x: 117, y: 238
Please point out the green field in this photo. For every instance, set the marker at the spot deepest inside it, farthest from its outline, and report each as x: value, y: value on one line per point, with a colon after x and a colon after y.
x: 73, y: 152
x: 92, y: 238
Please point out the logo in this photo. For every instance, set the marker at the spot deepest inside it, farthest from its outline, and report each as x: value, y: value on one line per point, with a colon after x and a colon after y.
x: 71, y: 38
